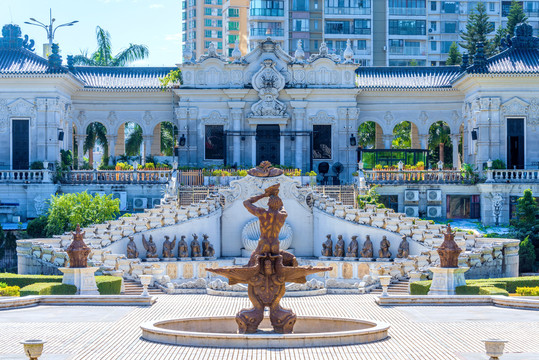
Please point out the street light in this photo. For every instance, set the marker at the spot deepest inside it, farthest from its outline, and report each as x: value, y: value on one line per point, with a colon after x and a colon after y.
x: 50, y: 29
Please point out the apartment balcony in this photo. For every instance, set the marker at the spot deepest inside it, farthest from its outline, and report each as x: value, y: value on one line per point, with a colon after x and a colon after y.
x: 407, y: 11
x: 346, y: 11
x: 265, y: 13
x: 263, y: 33
x: 407, y: 51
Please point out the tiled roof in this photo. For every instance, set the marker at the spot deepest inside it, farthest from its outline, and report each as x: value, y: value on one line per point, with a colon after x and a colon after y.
x: 121, y: 77
x: 406, y: 78
x: 15, y: 61
x: 520, y: 61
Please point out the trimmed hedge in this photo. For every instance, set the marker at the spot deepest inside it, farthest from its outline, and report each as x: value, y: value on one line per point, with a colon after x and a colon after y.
x: 9, y: 290
x: 498, y: 286
x: 525, y: 291
x: 25, y: 280
x: 109, y: 285
x: 48, y: 288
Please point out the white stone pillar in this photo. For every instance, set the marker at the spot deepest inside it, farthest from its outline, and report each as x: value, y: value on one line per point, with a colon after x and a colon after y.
x: 148, y: 139
x: 281, y: 146
x: 236, y: 113
x: 455, y: 142
x: 387, y: 141
x: 111, y: 140
x: 299, y: 116
x: 424, y: 141
x: 80, y: 148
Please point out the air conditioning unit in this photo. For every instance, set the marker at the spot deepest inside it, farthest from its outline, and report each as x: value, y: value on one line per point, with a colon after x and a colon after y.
x: 434, y: 211
x: 434, y: 195
x: 122, y: 195
x: 140, y: 203
x: 155, y: 202
x: 411, y: 211
x: 411, y: 195
x: 432, y: 37
x: 431, y: 30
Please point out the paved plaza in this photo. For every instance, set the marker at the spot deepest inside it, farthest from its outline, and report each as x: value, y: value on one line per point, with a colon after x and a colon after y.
x: 417, y: 332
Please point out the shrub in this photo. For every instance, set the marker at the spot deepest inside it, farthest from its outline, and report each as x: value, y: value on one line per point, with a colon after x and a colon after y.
x: 467, y: 290
x: 9, y: 290
x: 68, y: 210
x: 25, y: 280
x: 491, y: 290
x: 526, y: 253
x: 37, y: 165
x: 526, y: 221
x: 498, y: 164
x: 49, y: 289
x: 420, y: 287
x: 36, y: 227
x: 528, y: 291
x: 109, y: 285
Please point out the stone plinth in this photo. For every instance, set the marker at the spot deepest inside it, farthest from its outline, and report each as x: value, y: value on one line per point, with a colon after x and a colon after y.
x: 82, y: 278
x: 445, y: 280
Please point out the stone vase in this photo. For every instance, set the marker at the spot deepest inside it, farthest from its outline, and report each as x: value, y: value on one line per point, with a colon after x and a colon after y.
x: 494, y: 348
x: 384, y: 281
x: 33, y: 348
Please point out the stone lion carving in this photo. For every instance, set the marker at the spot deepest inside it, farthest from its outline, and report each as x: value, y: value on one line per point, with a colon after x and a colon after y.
x: 251, y: 233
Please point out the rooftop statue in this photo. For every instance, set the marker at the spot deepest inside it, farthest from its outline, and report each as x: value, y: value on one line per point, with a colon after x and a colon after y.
x: 268, y: 270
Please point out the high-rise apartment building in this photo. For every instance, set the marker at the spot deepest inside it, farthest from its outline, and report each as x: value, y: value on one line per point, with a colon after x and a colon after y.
x: 382, y: 32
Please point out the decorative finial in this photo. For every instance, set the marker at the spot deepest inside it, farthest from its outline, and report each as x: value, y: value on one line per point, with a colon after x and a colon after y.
x: 70, y: 64
x: 55, y: 60
x: 465, y: 61
x: 236, y: 53
x: 323, y: 51
x: 299, y: 55
x: 187, y: 53
x: 348, y: 52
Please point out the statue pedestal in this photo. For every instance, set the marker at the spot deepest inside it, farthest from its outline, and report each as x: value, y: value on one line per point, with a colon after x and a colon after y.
x: 445, y: 280
x: 82, y: 278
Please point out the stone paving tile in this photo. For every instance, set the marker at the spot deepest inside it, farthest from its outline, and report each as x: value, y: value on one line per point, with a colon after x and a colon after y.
x: 116, y: 335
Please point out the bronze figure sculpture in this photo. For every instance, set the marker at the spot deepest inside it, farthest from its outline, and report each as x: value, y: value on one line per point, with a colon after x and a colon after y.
x: 168, y: 247
x: 404, y: 248
x: 207, y: 247
x: 78, y: 251
x: 449, y: 250
x: 195, y: 247
x: 151, y: 248
x: 353, y: 247
x: 367, y: 251
x: 132, y: 252
x: 268, y: 270
x: 265, y: 170
x: 339, y: 247
x: 384, y: 252
x: 327, y: 246
x: 183, y: 249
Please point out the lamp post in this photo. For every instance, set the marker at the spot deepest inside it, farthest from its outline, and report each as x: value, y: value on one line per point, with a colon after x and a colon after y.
x: 50, y: 29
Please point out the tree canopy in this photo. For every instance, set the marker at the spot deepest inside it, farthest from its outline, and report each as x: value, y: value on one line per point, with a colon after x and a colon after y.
x: 103, y: 55
x: 515, y: 17
x: 477, y: 28
x: 455, y: 57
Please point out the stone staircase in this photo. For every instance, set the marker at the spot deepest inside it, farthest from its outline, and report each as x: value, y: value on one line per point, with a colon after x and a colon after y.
x: 135, y: 288
x: 398, y: 288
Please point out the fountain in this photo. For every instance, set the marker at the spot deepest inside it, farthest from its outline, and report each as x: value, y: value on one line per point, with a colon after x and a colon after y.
x: 268, y: 270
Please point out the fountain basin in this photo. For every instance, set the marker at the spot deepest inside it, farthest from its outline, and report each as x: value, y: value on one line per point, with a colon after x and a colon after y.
x: 221, y: 332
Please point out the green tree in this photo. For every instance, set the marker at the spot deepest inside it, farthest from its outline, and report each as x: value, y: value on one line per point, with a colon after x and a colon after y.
x: 516, y: 16
x: 167, y: 138
x: 401, y: 136
x: 413, y: 62
x: 134, y: 139
x: 455, y: 57
x: 96, y: 133
x: 526, y: 221
x: 526, y: 253
x: 439, y: 139
x: 103, y: 55
x: 68, y: 210
x: 366, y: 135
x: 37, y: 228
x: 477, y: 29
x: 501, y: 33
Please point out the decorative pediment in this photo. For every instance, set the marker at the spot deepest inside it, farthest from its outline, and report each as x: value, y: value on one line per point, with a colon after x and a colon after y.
x: 211, y: 54
x: 268, y: 82
x: 322, y: 117
x: 215, y: 118
x: 515, y: 106
x: 22, y: 107
x: 323, y: 53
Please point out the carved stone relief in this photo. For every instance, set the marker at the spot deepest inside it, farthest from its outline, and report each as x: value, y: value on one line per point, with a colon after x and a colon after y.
x: 3, y: 115
x: 388, y: 117
x: 268, y: 82
x: 215, y: 118
x: 147, y: 117
x: 112, y: 118
x: 323, y: 118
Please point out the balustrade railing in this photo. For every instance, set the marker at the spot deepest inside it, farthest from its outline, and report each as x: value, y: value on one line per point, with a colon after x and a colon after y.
x: 415, y: 176
x: 506, y: 176
x: 117, y: 177
x: 25, y: 176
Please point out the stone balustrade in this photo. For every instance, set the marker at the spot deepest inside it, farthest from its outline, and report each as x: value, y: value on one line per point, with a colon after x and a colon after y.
x: 415, y: 176
x: 510, y: 176
x: 118, y: 177
x: 25, y: 176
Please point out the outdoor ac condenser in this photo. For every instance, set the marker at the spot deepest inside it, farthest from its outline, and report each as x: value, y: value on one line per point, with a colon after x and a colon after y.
x: 434, y: 211
x: 122, y: 195
x: 411, y: 195
x: 140, y: 203
x: 434, y: 195
x: 411, y: 211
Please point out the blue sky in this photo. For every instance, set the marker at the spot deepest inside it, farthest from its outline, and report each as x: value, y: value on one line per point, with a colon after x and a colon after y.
x: 154, y: 23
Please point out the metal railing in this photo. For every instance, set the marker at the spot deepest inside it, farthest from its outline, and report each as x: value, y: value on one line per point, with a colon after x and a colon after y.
x: 416, y: 176
x: 188, y: 195
x: 117, y: 177
x: 407, y: 11
x: 25, y: 176
x: 347, y: 194
x: 507, y: 176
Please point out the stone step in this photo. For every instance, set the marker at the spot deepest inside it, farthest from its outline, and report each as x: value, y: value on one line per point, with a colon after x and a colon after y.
x: 134, y: 288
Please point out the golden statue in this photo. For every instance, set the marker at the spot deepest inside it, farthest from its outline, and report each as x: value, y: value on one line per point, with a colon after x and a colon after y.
x: 268, y: 270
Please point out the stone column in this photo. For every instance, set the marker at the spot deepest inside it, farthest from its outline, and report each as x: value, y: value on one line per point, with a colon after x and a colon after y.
x: 111, y: 139
x: 119, y: 148
x: 378, y: 134
x: 181, y: 118
x: 387, y: 141
x: 455, y: 142
x: 481, y: 109
x: 80, y: 148
x: 299, y: 117
x: 281, y: 145
x: 156, y: 143
x: 148, y: 139
x: 236, y: 114
x: 424, y: 141
x: 41, y: 129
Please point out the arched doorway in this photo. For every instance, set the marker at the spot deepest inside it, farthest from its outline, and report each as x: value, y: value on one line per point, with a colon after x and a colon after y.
x: 440, y: 145
x: 96, y: 144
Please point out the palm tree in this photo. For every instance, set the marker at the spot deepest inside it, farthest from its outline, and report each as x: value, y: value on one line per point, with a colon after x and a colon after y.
x: 438, y: 138
x: 103, y: 55
x: 134, y: 140
x: 95, y: 133
x: 167, y: 138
